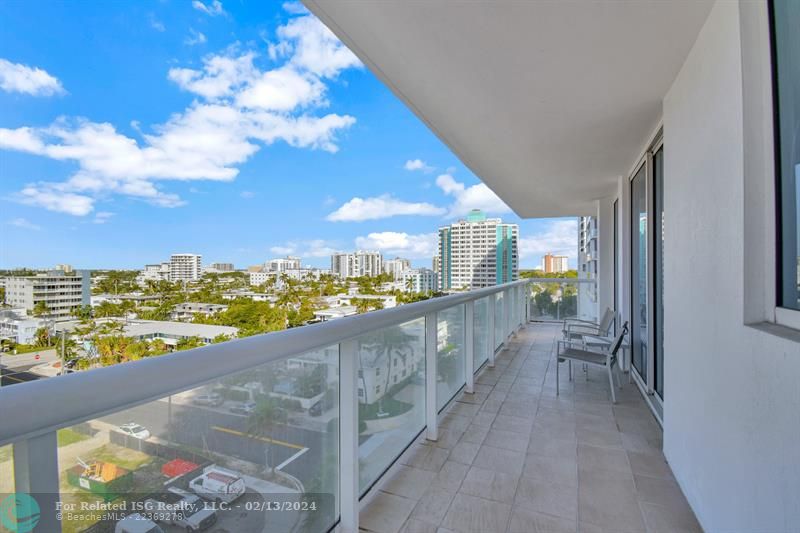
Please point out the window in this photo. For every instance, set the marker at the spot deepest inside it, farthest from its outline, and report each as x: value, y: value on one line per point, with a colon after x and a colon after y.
x: 786, y: 57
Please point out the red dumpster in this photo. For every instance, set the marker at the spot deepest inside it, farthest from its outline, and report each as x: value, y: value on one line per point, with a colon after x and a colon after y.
x: 177, y: 467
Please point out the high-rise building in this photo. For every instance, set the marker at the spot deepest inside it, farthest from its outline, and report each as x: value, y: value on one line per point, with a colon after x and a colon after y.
x: 283, y: 264
x: 477, y: 252
x: 436, y: 264
x: 587, y: 267
x: 185, y: 267
x: 360, y: 263
x: 555, y: 263
x: 60, y: 292
x: 396, y: 266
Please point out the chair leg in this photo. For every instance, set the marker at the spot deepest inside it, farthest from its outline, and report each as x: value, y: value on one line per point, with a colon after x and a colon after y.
x: 611, y: 382
x: 557, y: 380
x: 570, y: 370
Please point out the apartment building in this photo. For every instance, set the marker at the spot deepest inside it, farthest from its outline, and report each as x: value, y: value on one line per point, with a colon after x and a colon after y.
x: 60, y: 292
x: 396, y: 267
x: 553, y: 264
x: 283, y: 264
x: 588, y: 252
x: 419, y: 280
x: 185, y: 267
x: 155, y: 272
x: 477, y: 252
x: 220, y: 267
x: 17, y: 326
x: 359, y: 263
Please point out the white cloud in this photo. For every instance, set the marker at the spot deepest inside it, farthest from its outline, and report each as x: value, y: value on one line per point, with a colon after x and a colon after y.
x: 195, y: 37
x: 247, y: 194
x: 559, y: 237
x: 54, y: 200
x: 24, y: 224
x: 101, y: 217
x: 295, y: 8
x: 418, y: 164
x: 19, y: 78
x: 155, y: 23
x: 385, y: 206
x: 213, y: 8
x: 411, y: 246
x: 307, y: 248
x: 467, y: 198
x: 239, y: 109
x: 313, y: 48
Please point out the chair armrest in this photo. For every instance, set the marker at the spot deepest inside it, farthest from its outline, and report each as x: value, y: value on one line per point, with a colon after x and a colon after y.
x: 582, y: 328
x: 581, y: 321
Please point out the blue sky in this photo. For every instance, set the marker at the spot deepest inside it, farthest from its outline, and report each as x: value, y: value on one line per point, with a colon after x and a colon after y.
x: 238, y: 130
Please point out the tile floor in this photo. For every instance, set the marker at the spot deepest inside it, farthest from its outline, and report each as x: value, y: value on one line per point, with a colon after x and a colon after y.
x: 516, y: 458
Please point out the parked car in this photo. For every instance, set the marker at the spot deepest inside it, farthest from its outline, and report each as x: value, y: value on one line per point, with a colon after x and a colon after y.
x: 218, y: 484
x: 135, y: 430
x: 212, y: 399
x: 316, y: 409
x: 177, y: 507
x: 136, y: 523
x: 243, y: 408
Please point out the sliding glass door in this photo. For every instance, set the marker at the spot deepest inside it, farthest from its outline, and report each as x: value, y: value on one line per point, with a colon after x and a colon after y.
x: 658, y: 256
x: 639, y: 213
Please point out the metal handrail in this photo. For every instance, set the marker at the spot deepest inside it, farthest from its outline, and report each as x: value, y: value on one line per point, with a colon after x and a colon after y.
x: 34, y: 408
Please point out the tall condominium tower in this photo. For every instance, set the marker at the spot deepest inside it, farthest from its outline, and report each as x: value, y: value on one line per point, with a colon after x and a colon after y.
x: 185, y: 267
x: 477, y: 252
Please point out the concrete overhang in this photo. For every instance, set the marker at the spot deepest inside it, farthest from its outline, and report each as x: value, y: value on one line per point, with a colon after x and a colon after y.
x: 548, y: 102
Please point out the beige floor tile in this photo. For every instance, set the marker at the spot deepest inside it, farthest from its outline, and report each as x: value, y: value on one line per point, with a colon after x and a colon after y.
x: 516, y: 424
x: 543, y: 444
x: 386, y: 513
x: 425, y: 457
x: 560, y: 470
x: 464, y: 452
x: 524, y: 520
x: 433, y: 506
x: 548, y: 497
x: 665, y: 520
x: 418, y: 526
x: 649, y: 465
x: 492, y: 458
x: 507, y: 440
x: 470, y: 514
x: 490, y: 485
x: 475, y: 434
x: 597, y: 457
x: 450, y: 476
x: 598, y: 437
x: 408, y: 482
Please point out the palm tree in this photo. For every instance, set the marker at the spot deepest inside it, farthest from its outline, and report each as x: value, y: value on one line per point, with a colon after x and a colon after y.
x: 261, y: 425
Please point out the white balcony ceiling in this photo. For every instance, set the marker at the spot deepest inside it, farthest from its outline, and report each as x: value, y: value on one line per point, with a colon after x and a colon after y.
x: 548, y: 102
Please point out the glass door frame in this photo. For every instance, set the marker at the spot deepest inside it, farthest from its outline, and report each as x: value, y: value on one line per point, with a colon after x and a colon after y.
x: 646, y: 382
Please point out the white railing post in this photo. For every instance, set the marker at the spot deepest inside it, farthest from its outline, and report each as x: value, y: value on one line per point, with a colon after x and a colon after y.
x: 348, y: 435
x: 490, y: 327
x: 469, y: 345
x: 431, y: 349
x: 36, y: 472
x: 507, y: 313
x: 527, y: 302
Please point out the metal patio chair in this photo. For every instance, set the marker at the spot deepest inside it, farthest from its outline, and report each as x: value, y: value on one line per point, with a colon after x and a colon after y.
x: 576, y: 351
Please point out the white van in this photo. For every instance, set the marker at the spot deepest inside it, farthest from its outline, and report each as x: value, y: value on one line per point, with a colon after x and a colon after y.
x: 218, y: 484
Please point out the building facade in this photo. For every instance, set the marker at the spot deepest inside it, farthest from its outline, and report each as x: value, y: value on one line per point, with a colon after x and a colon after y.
x: 185, y: 267
x: 477, y: 252
x: 361, y: 263
x: 283, y: 264
x: 553, y: 264
x: 420, y: 280
x: 61, y: 293
x: 18, y: 327
x: 220, y: 267
x: 396, y: 267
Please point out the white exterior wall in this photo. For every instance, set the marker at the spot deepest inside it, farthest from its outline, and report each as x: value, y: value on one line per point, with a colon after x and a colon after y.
x: 185, y: 267
x: 731, y: 427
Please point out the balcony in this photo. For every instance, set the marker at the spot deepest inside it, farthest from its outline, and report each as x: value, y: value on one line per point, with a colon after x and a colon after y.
x: 439, y: 413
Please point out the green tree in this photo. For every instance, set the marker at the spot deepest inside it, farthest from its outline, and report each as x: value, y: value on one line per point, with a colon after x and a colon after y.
x: 82, y: 312
x: 42, y: 338
x: 40, y: 309
x: 262, y: 424
x: 189, y: 343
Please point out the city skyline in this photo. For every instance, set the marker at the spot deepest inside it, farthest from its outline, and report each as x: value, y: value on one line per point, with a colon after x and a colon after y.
x: 240, y: 133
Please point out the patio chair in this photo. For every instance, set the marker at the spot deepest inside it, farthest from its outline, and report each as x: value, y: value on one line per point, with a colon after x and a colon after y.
x: 568, y: 350
x: 575, y: 329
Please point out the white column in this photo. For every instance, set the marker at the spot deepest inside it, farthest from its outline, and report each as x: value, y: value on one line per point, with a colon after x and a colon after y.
x: 506, y: 314
x: 490, y: 327
x: 605, y: 255
x: 431, y: 412
x: 36, y: 472
x: 469, y: 347
x: 348, y: 435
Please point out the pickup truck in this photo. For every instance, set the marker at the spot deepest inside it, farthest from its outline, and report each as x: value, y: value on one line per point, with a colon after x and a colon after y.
x: 218, y: 484
x: 180, y: 508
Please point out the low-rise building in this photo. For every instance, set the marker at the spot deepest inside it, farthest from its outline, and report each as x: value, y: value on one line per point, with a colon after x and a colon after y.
x: 172, y: 332
x: 17, y: 326
x: 60, y: 292
x: 282, y: 264
x: 259, y: 278
x: 154, y: 272
x: 187, y: 311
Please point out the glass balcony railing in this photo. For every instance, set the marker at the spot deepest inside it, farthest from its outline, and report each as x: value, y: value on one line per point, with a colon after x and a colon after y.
x: 557, y: 299
x: 307, y: 419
